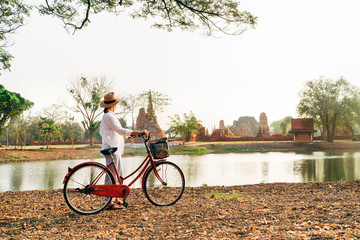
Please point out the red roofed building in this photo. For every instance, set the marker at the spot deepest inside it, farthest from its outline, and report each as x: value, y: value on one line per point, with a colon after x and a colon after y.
x: 303, y: 129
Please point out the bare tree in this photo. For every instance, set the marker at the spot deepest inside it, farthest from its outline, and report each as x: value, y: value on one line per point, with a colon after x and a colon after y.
x: 54, y: 112
x: 129, y: 105
x: 155, y: 101
x: 17, y: 129
x: 87, y: 93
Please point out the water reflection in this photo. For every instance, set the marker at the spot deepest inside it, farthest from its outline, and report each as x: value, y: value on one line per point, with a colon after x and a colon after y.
x: 210, y: 169
x: 16, y: 178
x: 329, y: 167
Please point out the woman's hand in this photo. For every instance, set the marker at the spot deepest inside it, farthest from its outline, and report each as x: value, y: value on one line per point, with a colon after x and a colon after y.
x: 146, y: 132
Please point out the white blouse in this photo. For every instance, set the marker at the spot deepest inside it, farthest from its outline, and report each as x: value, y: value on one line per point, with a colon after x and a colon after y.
x: 112, y: 133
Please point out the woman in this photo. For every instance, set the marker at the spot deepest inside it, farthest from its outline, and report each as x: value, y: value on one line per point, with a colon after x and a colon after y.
x: 112, y: 134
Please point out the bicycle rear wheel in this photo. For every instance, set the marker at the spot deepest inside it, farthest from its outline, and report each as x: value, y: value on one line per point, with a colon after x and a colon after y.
x: 169, y: 192
x: 77, y: 192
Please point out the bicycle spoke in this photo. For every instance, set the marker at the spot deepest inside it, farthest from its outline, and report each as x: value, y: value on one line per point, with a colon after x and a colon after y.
x: 76, y: 194
x: 165, y: 186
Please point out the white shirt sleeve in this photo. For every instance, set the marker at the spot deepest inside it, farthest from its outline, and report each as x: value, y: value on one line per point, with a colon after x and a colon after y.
x: 115, y: 125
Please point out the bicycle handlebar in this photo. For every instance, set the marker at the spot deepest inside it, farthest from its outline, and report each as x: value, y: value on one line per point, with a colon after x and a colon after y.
x: 143, y: 136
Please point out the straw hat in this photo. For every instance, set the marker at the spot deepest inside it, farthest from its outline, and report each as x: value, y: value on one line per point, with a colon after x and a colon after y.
x: 109, y: 100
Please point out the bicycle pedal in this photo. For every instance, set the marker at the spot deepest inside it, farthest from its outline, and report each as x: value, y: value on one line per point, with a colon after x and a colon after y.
x: 125, y: 204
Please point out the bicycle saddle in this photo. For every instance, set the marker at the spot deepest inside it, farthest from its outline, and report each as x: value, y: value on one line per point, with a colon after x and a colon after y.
x: 109, y: 151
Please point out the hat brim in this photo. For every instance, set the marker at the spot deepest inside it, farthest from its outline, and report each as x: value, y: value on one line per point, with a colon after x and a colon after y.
x: 107, y: 105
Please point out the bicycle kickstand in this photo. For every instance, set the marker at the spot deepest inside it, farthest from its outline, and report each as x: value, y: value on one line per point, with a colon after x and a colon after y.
x: 125, y: 204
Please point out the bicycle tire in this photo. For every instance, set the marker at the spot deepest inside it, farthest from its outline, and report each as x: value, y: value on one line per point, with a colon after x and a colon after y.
x: 164, y: 195
x: 77, y: 197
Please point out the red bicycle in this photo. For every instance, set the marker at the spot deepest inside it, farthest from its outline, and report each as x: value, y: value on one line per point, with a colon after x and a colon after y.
x: 163, y: 182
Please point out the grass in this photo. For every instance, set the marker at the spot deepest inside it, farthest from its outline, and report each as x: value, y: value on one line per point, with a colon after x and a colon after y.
x: 213, y: 147
x: 14, y: 158
x: 191, y: 150
x: 188, y: 150
x: 46, y: 150
x: 224, y: 196
x: 135, y: 152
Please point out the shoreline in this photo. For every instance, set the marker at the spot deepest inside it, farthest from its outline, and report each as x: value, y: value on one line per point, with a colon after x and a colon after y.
x: 261, y: 211
x: 85, y: 152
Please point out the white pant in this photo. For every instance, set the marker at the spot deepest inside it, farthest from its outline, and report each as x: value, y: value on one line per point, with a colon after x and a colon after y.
x: 117, y: 161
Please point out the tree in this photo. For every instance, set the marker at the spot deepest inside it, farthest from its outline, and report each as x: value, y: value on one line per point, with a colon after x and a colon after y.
x: 12, y: 15
x: 213, y: 16
x: 285, y: 125
x: 11, y: 105
x: 351, y: 117
x: 55, y: 112
x: 186, y: 127
x: 49, y: 130
x: 17, y: 130
x: 329, y: 103
x: 154, y: 101
x: 33, y: 131
x: 71, y: 130
x: 275, y: 126
x: 87, y: 94
x: 282, y: 126
x: 129, y: 105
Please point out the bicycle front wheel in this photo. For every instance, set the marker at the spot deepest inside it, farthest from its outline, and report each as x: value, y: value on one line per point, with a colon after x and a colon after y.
x: 169, y: 188
x: 77, y: 188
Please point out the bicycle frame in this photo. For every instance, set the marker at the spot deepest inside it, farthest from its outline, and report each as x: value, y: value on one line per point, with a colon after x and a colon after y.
x: 119, y: 189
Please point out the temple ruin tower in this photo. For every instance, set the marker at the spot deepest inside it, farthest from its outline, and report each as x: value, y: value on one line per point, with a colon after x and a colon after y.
x: 140, y: 120
x: 264, y: 127
x: 148, y: 120
x: 221, y: 124
x: 150, y: 109
x: 260, y: 134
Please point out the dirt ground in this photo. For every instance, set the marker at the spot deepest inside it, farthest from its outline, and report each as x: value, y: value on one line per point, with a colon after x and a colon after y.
x: 262, y: 211
x: 49, y: 154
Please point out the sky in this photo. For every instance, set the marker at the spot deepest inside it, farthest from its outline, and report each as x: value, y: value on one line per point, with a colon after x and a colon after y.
x: 223, y: 78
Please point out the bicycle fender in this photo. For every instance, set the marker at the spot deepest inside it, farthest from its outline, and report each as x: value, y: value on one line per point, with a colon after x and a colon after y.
x: 70, y: 170
x: 143, y: 176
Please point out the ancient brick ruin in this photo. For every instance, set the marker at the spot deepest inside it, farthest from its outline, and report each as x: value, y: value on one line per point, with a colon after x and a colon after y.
x: 201, y: 135
x: 222, y: 131
x: 263, y: 126
x: 148, y: 120
x: 243, y: 129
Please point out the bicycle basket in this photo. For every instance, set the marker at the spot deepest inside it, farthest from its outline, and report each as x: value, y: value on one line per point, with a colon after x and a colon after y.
x: 159, y: 148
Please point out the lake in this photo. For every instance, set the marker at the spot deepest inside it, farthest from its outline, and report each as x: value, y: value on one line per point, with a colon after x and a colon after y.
x: 210, y: 169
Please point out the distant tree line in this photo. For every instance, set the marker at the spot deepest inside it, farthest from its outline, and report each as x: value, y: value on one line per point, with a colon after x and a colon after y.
x: 332, y: 105
x: 55, y: 123
x: 23, y: 130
